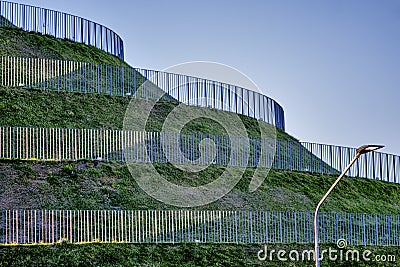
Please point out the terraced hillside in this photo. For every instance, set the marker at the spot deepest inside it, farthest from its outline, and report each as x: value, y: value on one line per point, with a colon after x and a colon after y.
x: 39, y: 108
x: 51, y: 182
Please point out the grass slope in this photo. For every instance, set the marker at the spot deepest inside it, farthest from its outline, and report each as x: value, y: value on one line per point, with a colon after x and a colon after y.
x: 174, y: 255
x: 99, y: 185
x: 6, y: 23
x: 16, y: 42
x: 40, y: 108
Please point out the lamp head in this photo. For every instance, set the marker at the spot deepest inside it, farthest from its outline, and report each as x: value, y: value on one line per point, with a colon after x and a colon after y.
x: 368, y: 148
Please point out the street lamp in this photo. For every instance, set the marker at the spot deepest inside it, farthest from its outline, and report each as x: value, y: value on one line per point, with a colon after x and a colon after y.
x: 361, y: 150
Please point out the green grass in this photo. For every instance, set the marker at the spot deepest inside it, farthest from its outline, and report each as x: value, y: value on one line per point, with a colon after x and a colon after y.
x: 73, y: 110
x: 172, y: 255
x: 6, y: 23
x: 16, y: 42
x: 40, y: 108
x: 99, y: 185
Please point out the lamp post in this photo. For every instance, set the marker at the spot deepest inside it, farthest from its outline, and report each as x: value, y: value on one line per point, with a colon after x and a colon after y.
x: 361, y: 150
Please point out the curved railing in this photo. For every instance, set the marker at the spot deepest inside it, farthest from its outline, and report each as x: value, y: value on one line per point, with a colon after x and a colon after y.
x: 375, y: 165
x: 87, y: 77
x: 78, y: 76
x: 61, y: 25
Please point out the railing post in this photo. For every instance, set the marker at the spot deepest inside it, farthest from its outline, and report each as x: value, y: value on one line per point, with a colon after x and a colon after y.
x: 311, y: 157
x: 330, y: 160
x: 376, y: 230
x: 381, y: 168
x: 387, y: 168
x: 388, y: 229
x: 320, y: 160
x: 3, y: 223
x: 301, y: 156
x: 373, y: 166
x: 279, y: 153
x: 394, y: 169
x: 290, y: 154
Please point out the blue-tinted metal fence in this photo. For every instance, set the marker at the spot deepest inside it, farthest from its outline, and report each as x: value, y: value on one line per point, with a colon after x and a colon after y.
x: 50, y: 226
x: 30, y: 143
x: 376, y: 165
x: 138, y: 83
x: 200, y: 226
x: 60, y: 25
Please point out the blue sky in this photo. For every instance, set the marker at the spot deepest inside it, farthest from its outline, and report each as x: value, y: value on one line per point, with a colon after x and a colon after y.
x: 334, y: 66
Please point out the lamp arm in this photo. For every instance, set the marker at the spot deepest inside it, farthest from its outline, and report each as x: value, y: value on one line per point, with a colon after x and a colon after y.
x: 337, y: 181
x: 316, y: 252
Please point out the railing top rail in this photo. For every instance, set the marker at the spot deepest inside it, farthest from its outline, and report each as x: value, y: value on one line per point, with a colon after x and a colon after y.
x: 58, y: 11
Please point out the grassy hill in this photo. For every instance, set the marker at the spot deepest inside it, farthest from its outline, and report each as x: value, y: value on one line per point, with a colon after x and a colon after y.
x: 6, y: 23
x: 98, y: 185
x: 109, y: 185
x: 40, y: 108
x: 16, y: 42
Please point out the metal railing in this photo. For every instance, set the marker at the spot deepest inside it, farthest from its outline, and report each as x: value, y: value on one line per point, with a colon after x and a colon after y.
x: 56, y: 144
x: 60, y: 25
x: 86, y: 77
x: 375, y: 165
x: 161, y: 226
x: 200, y: 226
x: 78, y: 76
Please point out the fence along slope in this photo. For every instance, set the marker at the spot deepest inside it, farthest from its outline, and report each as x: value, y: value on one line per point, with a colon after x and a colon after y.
x: 29, y: 143
x: 62, y: 25
x: 126, y: 81
x: 200, y: 226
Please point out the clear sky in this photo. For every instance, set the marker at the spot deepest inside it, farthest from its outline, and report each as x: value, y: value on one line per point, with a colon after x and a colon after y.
x: 334, y: 66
